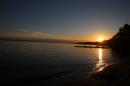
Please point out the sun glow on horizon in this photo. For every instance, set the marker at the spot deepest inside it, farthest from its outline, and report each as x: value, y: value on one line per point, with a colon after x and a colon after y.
x: 100, y: 39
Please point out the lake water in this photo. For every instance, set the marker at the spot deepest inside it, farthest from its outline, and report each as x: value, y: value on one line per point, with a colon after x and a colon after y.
x: 49, y: 64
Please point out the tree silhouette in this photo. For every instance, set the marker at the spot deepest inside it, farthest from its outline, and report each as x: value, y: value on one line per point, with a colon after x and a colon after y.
x: 122, y: 37
x: 123, y: 32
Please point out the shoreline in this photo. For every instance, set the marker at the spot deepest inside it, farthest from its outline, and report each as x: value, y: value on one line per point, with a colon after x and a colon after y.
x: 110, y: 75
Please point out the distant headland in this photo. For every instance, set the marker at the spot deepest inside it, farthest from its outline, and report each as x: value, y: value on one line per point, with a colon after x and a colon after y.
x: 120, y: 40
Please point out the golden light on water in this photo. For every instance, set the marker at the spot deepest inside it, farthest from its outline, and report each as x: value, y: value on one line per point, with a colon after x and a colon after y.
x: 100, y: 54
x: 100, y: 63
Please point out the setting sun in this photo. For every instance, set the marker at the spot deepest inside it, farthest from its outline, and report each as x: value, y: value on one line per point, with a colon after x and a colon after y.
x: 100, y: 39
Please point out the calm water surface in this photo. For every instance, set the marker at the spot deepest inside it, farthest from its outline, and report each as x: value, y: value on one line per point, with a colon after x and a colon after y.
x: 49, y: 64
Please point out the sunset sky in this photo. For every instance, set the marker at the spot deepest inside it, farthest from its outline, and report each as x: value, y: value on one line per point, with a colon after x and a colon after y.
x: 85, y: 20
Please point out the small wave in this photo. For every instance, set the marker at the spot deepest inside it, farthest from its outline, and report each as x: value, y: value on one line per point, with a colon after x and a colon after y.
x: 57, y: 74
x: 99, y: 68
x: 30, y: 80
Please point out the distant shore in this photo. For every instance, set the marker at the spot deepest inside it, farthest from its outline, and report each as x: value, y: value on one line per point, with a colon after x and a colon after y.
x: 109, y: 76
x: 39, y: 41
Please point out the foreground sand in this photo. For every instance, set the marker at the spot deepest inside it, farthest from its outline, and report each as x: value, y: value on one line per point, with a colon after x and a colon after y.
x: 124, y: 81
x: 116, y: 74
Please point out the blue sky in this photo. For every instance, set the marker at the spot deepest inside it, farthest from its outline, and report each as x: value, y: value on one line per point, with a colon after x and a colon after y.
x: 85, y: 20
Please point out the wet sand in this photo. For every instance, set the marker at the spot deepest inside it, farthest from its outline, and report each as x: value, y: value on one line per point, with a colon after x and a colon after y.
x: 117, y: 74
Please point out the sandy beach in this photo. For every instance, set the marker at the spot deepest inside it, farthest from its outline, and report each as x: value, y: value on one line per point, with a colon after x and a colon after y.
x: 117, y: 74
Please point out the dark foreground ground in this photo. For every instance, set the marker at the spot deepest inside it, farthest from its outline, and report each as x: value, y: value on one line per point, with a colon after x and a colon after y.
x: 116, y: 74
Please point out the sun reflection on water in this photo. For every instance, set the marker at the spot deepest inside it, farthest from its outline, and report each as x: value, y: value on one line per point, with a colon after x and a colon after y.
x: 100, y: 65
x: 100, y: 54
